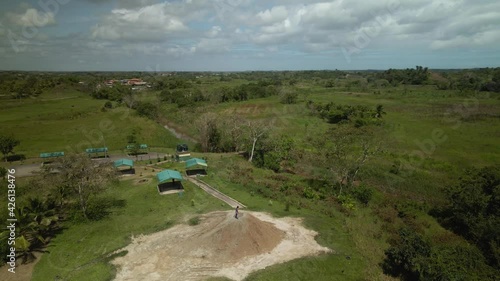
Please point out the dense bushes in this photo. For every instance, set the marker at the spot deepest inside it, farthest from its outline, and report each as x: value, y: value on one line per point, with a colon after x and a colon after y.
x: 417, y: 76
x: 411, y: 257
x: 359, y: 115
x: 473, y: 210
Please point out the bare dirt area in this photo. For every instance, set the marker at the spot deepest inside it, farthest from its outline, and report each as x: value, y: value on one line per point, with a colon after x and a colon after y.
x: 219, y: 245
x: 23, y: 272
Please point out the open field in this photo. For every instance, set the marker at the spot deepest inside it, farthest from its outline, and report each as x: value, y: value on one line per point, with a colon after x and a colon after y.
x: 75, y: 122
x: 427, y: 139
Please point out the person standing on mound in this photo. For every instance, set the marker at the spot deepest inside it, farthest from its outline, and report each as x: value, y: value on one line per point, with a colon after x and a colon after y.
x: 236, y: 212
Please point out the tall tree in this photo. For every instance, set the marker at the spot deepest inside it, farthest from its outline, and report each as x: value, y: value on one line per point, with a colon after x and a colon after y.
x: 346, y: 150
x: 256, y: 129
x: 82, y: 178
x: 209, y: 132
x: 7, y: 144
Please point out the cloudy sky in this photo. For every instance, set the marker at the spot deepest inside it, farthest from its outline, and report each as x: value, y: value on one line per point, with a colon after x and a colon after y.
x: 231, y: 35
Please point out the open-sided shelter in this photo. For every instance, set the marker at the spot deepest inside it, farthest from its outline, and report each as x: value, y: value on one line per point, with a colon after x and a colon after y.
x: 140, y: 149
x: 168, y: 181
x: 196, y: 166
x: 97, y: 151
x: 48, y: 156
x: 124, y: 166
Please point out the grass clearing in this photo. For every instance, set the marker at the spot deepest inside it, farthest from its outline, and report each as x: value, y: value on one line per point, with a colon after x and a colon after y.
x: 74, y: 124
x: 81, y: 250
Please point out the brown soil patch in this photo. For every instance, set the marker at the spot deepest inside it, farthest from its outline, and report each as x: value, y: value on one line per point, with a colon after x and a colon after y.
x: 23, y: 271
x: 219, y: 245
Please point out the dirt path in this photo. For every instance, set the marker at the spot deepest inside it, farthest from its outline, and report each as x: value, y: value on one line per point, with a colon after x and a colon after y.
x: 179, y: 135
x: 215, y: 193
x: 219, y: 245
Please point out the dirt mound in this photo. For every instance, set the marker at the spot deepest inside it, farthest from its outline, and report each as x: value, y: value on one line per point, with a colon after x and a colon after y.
x: 233, y: 239
x: 219, y: 245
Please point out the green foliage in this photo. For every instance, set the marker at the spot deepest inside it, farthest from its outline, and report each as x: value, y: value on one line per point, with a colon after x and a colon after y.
x: 417, y: 76
x: 3, y: 172
x: 7, y: 144
x: 458, y: 262
x: 360, y: 115
x: 289, y: 97
x: 362, y: 193
x: 37, y: 221
x: 310, y: 193
x: 474, y: 210
x: 411, y: 257
x: 108, y: 105
x: 147, y: 109
x: 347, y: 202
x: 116, y: 93
x: 407, y: 254
x: 275, y: 153
x: 194, y: 221
x: 79, y: 179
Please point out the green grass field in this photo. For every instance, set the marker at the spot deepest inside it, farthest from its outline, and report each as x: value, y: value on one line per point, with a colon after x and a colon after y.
x: 71, y: 121
x: 74, y: 122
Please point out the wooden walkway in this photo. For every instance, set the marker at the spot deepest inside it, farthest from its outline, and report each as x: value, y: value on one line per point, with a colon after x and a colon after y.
x: 215, y: 193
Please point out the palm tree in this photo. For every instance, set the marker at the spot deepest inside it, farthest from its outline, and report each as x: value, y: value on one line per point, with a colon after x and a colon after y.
x: 36, y: 222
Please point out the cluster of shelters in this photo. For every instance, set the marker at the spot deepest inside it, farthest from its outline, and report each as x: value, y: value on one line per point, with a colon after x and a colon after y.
x: 170, y: 181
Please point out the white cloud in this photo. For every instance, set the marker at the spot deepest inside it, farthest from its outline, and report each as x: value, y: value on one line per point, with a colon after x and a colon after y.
x: 273, y: 15
x: 214, y: 31
x: 32, y: 18
x: 276, y: 28
x: 150, y: 23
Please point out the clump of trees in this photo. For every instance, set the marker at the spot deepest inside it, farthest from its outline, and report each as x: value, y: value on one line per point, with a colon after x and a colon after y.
x: 359, y: 115
x: 232, y: 133
x: 75, y: 178
x: 409, y: 76
x: 7, y: 145
x: 68, y: 188
x: 412, y: 257
x: 473, y: 211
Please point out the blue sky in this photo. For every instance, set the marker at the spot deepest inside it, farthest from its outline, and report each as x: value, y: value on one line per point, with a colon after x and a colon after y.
x: 234, y: 35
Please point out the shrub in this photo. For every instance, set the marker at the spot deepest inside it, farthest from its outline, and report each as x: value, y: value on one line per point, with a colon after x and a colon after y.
x: 108, y: 104
x: 289, y: 98
x: 3, y: 172
x: 363, y: 194
x: 347, y: 202
x: 194, y: 221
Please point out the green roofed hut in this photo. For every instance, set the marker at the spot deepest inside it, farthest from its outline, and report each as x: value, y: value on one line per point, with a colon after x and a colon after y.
x: 97, y: 151
x: 48, y: 156
x: 196, y: 166
x: 169, y: 181
x: 124, y: 166
x: 135, y: 149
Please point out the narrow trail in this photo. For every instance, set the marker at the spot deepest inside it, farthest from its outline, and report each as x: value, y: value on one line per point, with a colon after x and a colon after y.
x: 179, y: 135
x: 215, y: 193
